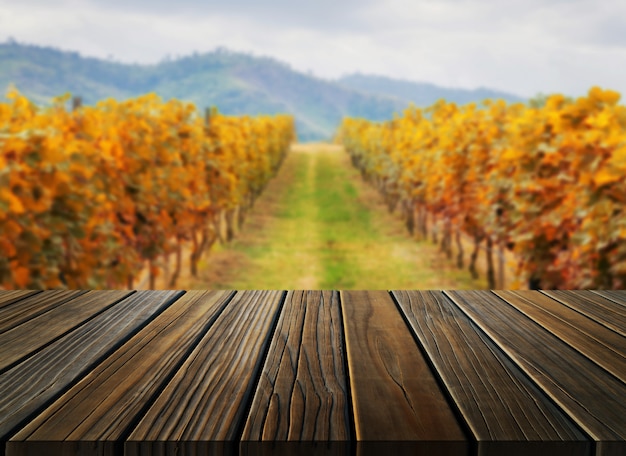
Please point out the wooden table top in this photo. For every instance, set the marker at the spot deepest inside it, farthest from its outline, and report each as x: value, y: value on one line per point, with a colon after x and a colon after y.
x: 313, y: 372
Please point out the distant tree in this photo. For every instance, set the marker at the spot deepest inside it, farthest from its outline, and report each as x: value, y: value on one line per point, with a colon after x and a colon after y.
x: 538, y: 101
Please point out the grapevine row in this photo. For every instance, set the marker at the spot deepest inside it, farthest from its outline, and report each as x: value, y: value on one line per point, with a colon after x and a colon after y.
x: 89, y: 196
x: 546, y: 181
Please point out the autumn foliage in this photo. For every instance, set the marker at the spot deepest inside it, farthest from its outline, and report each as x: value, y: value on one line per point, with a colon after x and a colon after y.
x: 89, y: 197
x: 546, y: 182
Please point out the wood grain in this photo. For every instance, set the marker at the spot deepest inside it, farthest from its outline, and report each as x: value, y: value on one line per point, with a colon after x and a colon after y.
x: 208, y: 397
x: 395, y: 396
x: 265, y: 372
x: 585, y: 391
x: 106, y: 403
x: 618, y: 296
x: 302, y: 394
x: 498, y: 402
x: 603, y: 310
x: 26, y: 309
x: 36, y: 382
x: 597, y: 342
x: 28, y: 337
x: 8, y: 297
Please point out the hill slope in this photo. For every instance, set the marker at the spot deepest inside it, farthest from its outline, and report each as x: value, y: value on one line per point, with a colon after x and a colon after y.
x: 236, y: 83
x: 420, y: 93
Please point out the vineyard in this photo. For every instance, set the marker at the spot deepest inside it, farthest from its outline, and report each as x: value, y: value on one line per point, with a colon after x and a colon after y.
x: 108, y: 195
x: 91, y: 196
x: 543, y: 181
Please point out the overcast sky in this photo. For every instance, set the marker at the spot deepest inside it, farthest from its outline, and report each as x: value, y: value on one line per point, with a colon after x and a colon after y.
x: 524, y: 47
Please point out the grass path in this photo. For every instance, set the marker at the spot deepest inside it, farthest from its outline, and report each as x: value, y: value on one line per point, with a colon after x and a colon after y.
x: 318, y: 226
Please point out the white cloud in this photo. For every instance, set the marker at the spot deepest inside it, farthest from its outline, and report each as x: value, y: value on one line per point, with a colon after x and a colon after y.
x: 522, y: 46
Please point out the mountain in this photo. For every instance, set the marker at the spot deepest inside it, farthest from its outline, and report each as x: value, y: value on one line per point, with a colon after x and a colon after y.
x: 419, y: 93
x: 237, y: 83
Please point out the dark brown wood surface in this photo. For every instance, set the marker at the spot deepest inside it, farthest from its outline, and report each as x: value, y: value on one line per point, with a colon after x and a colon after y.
x: 594, y: 340
x: 19, y: 341
x: 224, y: 365
x: 586, y: 392
x: 496, y: 399
x: 313, y: 372
x: 395, y: 395
x: 31, y: 385
x: 107, y: 401
x: 302, y: 393
x: 23, y: 310
x: 8, y: 297
x: 618, y: 296
x: 605, y: 311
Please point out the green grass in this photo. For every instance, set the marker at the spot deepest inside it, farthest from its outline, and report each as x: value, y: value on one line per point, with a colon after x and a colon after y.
x: 317, y: 226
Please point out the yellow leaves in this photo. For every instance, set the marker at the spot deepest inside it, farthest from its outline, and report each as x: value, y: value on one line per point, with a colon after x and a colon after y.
x: 100, y: 199
x: 606, y: 176
x: 12, y: 93
x: 512, y: 155
x: 81, y: 172
x: 14, y: 203
x: 62, y: 98
x: 109, y: 149
x: 54, y: 151
x: 114, y: 182
x: 609, y: 97
x: 602, y: 120
x: 555, y: 102
x: 618, y: 159
x: 185, y: 192
x: 553, y: 168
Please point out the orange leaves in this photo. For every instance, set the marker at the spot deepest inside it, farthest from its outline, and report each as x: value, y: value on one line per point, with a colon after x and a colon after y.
x: 12, y: 202
x: 549, y: 178
x: 512, y: 155
x: 21, y: 276
x: 106, y: 187
x: 606, y: 176
x: 617, y: 161
x: 609, y: 97
x: 7, y: 248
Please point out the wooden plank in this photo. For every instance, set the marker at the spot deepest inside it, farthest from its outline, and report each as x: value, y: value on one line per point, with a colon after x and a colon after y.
x: 603, y: 310
x: 394, y: 394
x: 302, y: 394
x: 18, y: 343
x: 36, y: 382
x: 618, y: 296
x: 207, y: 399
x: 106, y: 403
x: 33, y: 306
x: 499, y: 403
x: 8, y: 297
x: 585, y: 391
x: 597, y: 342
